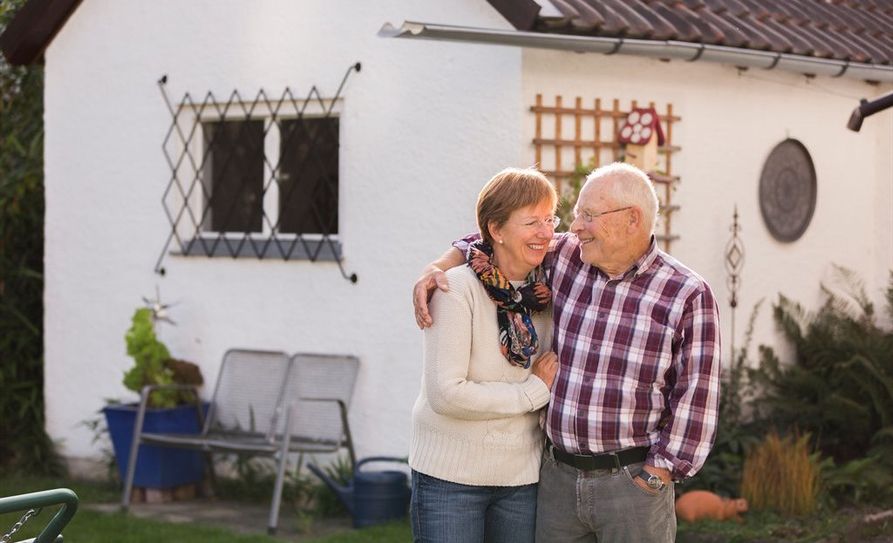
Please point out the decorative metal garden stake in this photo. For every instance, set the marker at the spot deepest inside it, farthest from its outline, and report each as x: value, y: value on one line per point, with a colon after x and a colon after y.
x: 159, y: 310
x: 734, y: 264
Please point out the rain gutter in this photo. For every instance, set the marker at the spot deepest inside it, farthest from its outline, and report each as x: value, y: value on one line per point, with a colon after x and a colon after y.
x: 659, y: 49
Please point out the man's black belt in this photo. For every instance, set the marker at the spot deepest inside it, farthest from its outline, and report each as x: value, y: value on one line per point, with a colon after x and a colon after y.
x: 587, y: 462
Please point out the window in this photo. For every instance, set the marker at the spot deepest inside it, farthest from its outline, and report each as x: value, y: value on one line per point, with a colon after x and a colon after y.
x: 254, y: 177
x: 233, y: 176
x: 296, y: 194
x: 308, y: 176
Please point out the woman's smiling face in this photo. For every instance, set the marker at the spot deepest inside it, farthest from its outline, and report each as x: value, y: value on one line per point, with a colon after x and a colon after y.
x: 522, y: 242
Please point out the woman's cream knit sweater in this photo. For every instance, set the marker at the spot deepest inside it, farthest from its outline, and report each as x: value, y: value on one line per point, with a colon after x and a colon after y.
x: 476, y: 420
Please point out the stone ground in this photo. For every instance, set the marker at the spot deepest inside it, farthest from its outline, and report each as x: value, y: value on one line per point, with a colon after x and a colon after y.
x: 238, y: 517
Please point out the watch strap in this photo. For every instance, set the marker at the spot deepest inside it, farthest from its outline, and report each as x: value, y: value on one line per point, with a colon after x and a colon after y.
x: 648, y: 477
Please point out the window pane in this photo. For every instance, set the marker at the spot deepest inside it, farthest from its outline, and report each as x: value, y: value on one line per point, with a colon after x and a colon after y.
x: 308, y: 183
x: 234, y: 175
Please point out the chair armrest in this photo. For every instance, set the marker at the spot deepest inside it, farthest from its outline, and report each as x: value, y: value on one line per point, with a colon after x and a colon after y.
x: 345, y: 424
x: 37, y: 500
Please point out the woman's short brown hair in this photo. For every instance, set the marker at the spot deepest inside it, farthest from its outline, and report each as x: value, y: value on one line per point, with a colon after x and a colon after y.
x: 511, y: 189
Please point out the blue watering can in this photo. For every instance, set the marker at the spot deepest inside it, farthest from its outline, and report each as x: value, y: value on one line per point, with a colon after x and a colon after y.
x: 372, y: 497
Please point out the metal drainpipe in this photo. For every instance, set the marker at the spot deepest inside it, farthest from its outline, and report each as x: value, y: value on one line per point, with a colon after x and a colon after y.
x: 667, y: 49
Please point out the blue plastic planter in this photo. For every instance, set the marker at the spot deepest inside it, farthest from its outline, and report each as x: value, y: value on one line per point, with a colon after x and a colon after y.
x: 156, y: 467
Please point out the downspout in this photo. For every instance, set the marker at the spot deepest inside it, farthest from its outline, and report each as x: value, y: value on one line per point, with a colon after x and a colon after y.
x: 660, y: 49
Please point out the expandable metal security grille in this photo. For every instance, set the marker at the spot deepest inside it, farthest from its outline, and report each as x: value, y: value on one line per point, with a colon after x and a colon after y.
x: 188, y: 184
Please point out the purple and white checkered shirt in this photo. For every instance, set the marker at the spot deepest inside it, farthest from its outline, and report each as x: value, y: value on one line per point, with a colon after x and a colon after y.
x: 639, y: 358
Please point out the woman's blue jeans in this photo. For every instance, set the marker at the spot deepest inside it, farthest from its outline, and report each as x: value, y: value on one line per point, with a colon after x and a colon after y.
x: 445, y: 512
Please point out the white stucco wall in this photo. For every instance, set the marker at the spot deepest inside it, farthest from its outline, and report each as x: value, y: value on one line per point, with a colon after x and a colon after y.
x: 424, y: 125
x: 730, y: 122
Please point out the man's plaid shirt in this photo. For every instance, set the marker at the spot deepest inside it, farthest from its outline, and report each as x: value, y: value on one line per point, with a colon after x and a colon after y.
x: 639, y: 359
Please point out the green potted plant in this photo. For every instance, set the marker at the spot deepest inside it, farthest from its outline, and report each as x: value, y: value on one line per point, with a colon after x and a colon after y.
x: 168, y: 410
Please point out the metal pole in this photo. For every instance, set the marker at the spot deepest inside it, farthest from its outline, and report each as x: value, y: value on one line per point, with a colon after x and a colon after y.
x: 734, y: 257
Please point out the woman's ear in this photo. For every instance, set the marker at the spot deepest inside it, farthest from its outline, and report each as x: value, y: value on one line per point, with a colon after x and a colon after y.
x: 495, y: 231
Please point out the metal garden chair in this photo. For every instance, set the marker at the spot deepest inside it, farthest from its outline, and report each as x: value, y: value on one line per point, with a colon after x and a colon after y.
x: 266, y: 404
x: 32, y: 503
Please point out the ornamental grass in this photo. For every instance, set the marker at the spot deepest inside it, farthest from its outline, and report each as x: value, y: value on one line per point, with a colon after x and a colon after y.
x: 781, y: 475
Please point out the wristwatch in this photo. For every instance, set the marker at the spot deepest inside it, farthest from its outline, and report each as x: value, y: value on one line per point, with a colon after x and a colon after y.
x: 653, y: 481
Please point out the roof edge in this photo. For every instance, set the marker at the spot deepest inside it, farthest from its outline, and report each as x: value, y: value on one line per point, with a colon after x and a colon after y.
x: 33, y: 28
x: 660, y: 49
x: 521, y: 14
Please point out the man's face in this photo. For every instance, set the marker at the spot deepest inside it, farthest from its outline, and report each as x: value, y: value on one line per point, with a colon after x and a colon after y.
x: 602, y: 225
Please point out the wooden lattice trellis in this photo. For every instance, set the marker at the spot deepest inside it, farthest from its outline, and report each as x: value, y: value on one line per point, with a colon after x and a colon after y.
x: 581, y: 135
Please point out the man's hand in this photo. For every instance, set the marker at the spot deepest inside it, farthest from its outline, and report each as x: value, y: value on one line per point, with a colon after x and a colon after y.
x: 432, y: 278
x: 664, y: 475
x: 545, y: 367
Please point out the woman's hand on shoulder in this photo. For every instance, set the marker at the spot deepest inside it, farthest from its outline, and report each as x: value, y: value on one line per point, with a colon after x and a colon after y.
x: 545, y: 367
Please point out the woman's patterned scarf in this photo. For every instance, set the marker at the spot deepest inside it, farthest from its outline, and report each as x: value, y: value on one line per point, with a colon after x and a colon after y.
x: 517, y: 336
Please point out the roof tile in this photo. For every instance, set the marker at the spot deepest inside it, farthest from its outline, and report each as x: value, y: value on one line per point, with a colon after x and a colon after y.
x: 687, y: 27
x: 854, y: 30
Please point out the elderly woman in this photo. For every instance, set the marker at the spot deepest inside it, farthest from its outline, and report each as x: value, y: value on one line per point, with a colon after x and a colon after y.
x: 476, y: 439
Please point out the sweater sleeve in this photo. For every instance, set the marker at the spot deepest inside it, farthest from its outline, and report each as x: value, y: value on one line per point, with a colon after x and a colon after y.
x: 448, y: 358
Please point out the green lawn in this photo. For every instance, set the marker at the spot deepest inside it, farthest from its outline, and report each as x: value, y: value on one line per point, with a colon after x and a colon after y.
x: 821, y: 527
x: 93, y: 527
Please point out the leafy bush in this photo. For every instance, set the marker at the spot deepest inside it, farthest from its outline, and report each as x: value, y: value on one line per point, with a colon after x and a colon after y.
x: 25, y: 445
x: 148, y: 355
x: 839, y: 388
x: 153, y: 364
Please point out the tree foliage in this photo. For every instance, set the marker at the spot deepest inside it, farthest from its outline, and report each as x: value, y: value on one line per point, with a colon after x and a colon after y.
x: 24, y: 444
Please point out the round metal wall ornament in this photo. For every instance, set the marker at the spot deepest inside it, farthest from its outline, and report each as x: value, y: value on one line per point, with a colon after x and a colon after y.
x: 788, y: 190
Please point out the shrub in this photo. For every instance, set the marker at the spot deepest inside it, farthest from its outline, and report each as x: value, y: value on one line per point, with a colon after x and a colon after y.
x: 153, y: 365
x: 839, y: 388
x: 24, y: 445
x: 780, y: 474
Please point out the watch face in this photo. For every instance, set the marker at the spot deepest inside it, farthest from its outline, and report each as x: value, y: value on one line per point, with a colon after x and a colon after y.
x: 653, y: 481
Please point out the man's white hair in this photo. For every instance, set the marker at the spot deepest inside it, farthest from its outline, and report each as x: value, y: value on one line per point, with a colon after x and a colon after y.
x: 629, y: 186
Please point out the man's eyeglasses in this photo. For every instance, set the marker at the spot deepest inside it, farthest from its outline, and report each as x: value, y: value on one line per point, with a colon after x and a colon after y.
x: 589, y: 217
x: 549, y: 222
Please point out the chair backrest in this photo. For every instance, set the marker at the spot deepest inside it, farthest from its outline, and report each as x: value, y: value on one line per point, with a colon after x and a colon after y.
x: 320, y: 376
x: 249, y: 391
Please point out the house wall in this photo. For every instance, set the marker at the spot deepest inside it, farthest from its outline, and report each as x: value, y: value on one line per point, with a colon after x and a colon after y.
x: 730, y: 122
x: 424, y: 125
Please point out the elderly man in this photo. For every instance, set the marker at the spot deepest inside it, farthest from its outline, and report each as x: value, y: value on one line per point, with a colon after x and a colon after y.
x: 635, y: 402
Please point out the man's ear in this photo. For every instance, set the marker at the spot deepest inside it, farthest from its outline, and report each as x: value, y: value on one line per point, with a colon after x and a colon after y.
x: 635, y: 218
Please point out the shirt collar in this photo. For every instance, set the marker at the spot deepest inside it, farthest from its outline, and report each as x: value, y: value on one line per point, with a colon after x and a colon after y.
x: 644, y: 262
